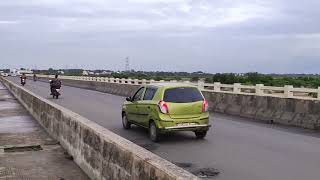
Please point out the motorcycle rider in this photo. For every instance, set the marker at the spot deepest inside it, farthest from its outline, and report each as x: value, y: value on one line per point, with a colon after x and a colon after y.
x: 55, y: 84
x: 23, y: 77
x: 34, y: 77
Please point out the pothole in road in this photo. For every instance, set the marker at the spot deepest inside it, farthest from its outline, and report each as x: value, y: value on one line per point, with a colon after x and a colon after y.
x: 68, y: 156
x: 22, y: 148
x: 206, y: 172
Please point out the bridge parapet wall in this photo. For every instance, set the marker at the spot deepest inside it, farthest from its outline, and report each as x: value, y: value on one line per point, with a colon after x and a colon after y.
x: 287, y: 91
x: 286, y: 111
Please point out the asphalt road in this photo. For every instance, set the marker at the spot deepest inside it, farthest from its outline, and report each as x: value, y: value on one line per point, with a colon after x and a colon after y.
x: 240, y: 149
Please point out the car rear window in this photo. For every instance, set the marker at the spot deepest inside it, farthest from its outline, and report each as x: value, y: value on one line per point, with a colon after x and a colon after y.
x: 182, y: 95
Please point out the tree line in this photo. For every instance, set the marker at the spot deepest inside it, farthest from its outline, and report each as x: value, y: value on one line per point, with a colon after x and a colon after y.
x: 310, y: 81
x: 251, y: 78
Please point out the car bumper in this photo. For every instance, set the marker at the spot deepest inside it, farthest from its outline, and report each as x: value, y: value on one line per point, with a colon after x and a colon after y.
x: 200, y: 127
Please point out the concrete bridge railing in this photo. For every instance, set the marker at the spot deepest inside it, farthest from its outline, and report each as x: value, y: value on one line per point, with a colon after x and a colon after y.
x: 237, y: 88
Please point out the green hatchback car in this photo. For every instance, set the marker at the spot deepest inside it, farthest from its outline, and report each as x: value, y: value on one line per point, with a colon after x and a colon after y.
x: 166, y: 107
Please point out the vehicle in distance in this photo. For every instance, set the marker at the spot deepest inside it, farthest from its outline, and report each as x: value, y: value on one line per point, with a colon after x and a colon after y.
x: 4, y: 74
x: 167, y: 107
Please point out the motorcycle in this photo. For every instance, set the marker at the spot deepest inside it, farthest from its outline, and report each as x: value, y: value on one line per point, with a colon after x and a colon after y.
x: 56, y: 93
x: 23, y: 82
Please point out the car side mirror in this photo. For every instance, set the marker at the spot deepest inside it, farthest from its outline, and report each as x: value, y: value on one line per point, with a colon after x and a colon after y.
x: 129, y: 99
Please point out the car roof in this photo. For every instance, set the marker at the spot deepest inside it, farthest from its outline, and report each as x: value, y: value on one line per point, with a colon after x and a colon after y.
x: 168, y: 84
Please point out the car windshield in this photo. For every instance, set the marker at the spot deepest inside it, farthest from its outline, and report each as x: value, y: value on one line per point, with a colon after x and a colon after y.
x: 182, y: 95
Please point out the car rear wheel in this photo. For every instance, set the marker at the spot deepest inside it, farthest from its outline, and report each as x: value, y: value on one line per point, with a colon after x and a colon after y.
x: 200, y: 134
x: 125, y: 122
x: 153, y: 132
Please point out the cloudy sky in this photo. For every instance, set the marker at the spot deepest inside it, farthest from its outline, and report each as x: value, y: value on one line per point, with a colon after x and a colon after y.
x: 274, y: 36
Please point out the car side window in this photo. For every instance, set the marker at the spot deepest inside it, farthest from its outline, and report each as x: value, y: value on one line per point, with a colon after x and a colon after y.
x: 138, y: 94
x: 150, y: 92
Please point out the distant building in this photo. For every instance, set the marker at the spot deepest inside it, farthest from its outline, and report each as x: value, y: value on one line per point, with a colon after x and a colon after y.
x: 14, y: 71
x: 85, y: 73
x: 60, y: 72
x: 106, y: 72
x: 23, y: 72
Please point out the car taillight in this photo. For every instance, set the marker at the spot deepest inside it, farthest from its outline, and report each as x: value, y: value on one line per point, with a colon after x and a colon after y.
x: 205, y: 106
x: 163, y: 106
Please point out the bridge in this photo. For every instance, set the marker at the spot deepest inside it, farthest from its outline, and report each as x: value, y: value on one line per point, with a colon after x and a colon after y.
x: 258, y: 132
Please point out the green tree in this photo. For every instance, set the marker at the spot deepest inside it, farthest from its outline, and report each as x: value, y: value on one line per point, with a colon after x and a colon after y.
x: 195, y: 78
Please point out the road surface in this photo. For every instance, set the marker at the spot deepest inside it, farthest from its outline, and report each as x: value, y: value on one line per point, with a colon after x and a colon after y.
x: 240, y: 149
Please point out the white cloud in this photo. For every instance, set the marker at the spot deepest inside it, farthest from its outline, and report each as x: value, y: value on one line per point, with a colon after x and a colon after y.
x: 134, y: 14
x: 6, y: 22
x: 185, y: 8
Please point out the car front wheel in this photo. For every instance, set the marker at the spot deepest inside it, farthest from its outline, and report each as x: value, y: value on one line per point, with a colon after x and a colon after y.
x: 153, y: 132
x: 200, y: 134
x: 125, y: 122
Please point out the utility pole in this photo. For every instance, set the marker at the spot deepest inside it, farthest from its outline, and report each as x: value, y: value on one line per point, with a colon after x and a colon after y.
x: 127, y: 66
